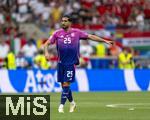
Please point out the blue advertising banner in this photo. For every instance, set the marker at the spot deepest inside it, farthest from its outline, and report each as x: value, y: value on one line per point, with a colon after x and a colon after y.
x: 14, y: 81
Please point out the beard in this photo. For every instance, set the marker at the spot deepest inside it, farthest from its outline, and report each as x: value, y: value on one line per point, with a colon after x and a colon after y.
x: 64, y: 26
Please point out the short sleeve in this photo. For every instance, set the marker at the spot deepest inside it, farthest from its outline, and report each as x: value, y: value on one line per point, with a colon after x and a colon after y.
x: 52, y: 38
x: 82, y: 34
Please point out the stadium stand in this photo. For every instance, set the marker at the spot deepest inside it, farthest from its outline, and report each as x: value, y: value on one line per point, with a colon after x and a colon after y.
x: 125, y: 21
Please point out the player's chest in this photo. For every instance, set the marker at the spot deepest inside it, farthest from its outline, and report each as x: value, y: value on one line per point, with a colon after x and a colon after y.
x: 67, y: 38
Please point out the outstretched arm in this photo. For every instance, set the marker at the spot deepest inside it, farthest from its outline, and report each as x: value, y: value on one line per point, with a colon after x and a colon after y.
x: 99, y: 39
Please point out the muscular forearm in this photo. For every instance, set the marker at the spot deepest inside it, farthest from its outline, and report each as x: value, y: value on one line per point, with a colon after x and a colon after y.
x: 96, y: 38
x: 46, y: 44
x: 99, y: 39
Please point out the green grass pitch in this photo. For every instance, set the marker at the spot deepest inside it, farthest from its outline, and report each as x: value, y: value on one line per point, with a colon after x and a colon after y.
x: 93, y: 106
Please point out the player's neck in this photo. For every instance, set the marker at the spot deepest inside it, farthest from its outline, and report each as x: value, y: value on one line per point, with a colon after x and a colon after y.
x: 67, y: 29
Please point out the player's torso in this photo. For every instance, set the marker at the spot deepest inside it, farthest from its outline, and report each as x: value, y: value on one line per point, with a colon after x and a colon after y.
x: 67, y: 39
x: 68, y: 45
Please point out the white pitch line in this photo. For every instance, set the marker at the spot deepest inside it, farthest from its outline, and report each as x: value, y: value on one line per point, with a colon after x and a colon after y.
x: 111, y: 105
x: 130, y: 106
x: 131, y: 109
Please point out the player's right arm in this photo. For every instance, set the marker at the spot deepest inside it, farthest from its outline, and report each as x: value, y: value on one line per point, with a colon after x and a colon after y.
x: 46, y: 44
x: 51, y: 40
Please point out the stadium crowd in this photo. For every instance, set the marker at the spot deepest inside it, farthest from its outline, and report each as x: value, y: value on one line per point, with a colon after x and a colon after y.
x: 84, y: 12
x: 46, y: 14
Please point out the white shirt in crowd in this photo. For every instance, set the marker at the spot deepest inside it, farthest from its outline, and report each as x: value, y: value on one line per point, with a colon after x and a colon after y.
x: 140, y: 19
x: 2, y: 18
x: 29, y: 50
x: 4, y: 49
x: 23, y: 8
x: 86, y: 50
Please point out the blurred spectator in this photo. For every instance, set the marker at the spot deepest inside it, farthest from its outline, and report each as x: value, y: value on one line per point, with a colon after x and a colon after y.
x: 140, y: 20
x: 21, y: 62
x: 29, y: 51
x: 40, y: 10
x: 86, y: 50
x: 11, y: 60
x: 2, y: 17
x: 131, y: 22
x: 56, y: 12
x: 100, y: 50
x: 4, y: 49
x: 125, y: 59
x: 22, y: 6
x: 40, y: 61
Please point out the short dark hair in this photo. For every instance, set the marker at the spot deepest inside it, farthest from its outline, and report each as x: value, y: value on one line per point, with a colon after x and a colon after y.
x: 68, y: 16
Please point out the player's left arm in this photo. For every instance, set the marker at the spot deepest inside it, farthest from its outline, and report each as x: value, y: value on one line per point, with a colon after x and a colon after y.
x: 99, y: 39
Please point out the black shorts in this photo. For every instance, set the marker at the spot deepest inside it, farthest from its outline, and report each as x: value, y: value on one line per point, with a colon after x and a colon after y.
x: 65, y: 73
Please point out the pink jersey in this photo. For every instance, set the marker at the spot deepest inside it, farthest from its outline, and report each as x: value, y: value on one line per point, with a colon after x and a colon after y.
x: 68, y: 44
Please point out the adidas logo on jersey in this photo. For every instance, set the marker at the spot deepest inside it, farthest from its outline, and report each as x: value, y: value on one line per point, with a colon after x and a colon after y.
x: 62, y: 36
x: 72, y: 34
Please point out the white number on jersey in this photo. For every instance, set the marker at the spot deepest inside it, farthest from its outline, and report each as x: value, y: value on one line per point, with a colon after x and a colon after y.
x: 67, y: 40
x: 69, y: 73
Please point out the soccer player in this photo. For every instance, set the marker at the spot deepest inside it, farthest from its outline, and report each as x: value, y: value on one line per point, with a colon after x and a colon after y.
x: 67, y: 41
